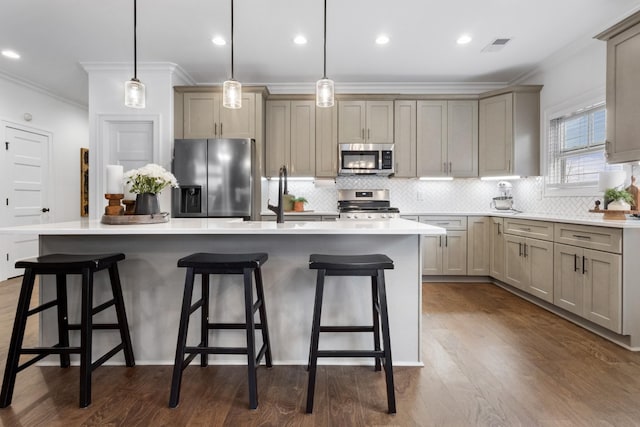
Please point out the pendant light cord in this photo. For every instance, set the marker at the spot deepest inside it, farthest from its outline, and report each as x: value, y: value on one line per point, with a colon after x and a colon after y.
x: 324, y: 73
x: 231, y: 39
x: 135, y: 40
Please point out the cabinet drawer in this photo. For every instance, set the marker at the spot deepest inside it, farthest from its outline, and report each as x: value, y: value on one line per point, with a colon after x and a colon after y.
x: 586, y: 236
x: 448, y: 222
x: 522, y: 227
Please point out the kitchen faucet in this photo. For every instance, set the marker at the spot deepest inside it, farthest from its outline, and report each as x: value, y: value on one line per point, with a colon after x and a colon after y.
x: 279, y: 210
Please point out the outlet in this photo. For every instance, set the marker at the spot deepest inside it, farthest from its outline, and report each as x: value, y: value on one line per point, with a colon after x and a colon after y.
x: 421, y: 195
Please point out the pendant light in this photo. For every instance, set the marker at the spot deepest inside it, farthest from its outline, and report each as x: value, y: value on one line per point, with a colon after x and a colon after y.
x: 134, y: 93
x: 324, y: 86
x: 232, y: 89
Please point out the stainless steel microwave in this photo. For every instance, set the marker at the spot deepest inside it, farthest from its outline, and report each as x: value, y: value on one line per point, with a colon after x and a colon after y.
x: 373, y: 159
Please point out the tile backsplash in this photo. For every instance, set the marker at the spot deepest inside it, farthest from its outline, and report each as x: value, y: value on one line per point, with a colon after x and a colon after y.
x: 459, y: 195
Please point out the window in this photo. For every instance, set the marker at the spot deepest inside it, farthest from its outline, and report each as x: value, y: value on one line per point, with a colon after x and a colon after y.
x: 576, y: 149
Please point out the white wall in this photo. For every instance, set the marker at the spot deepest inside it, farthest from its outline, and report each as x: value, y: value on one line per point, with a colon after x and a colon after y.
x: 106, y: 98
x: 69, y: 127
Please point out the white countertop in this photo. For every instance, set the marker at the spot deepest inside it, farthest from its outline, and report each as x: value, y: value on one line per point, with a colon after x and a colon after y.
x: 303, y: 213
x: 199, y: 226
x: 630, y: 222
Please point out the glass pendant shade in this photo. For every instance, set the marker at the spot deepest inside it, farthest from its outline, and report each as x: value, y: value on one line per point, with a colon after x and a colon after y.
x: 232, y: 94
x: 134, y: 94
x: 324, y: 93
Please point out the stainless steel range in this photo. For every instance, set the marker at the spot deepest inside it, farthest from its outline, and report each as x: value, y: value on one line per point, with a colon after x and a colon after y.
x: 365, y: 204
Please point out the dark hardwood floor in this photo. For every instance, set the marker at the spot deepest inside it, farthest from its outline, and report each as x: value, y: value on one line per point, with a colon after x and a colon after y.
x: 490, y: 359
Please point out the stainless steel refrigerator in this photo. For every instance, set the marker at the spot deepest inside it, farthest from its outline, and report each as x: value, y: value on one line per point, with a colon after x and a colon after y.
x: 215, y: 177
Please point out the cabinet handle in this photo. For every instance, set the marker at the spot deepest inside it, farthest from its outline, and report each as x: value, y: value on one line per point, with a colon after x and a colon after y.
x: 368, y: 133
x: 442, y: 223
x: 446, y: 241
x: 215, y: 129
x: 220, y: 128
x: 578, y: 236
x: 450, y: 168
x: 499, y: 232
x: 509, y: 165
x: 525, y: 250
x: 583, y: 266
x: 519, y: 249
x: 363, y: 133
x: 440, y: 244
x: 575, y: 262
x: 525, y: 229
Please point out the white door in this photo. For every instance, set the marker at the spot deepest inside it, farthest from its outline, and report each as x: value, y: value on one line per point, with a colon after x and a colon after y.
x: 26, y: 172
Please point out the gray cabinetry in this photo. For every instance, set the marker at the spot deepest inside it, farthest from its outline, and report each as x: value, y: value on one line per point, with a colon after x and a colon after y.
x: 365, y: 122
x: 478, y: 244
x: 445, y: 255
x: 509, y: 132
x: 623, y: 90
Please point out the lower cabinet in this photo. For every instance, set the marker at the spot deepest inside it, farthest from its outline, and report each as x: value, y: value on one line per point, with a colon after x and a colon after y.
x: 496, y: 249
x: 588, y: 283
x: 445, y: 255
x: 529, y: 265
x: 478, y: 255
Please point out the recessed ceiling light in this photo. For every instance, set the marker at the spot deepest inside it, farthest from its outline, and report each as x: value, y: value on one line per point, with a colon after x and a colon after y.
x: 464, y: 39
x: 382, y: 39
x: 218, y: 41
x: 300, y: 40
x: 10, y: 54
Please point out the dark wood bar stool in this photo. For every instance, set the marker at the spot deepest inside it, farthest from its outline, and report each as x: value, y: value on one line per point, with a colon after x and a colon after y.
x: 353, y: 265
x: 206, y: 264
x: 62, y: 265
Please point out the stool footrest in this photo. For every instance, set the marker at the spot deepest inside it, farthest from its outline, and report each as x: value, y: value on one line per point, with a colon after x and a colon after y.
x: 107, y: 356
x: 50, y: 350
x: 350, y: 353
x: 43, y: 307
x: 102, y: 306
x: 76, y: 327
x: 196, y: 306
x: 256, y: 306
x: 261, y: 353
x: 216, y: 350
x: 346, y: 329
x: 242, y: 326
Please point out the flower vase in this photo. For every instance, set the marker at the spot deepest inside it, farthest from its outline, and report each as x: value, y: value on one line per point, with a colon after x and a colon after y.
x: 147, y: 204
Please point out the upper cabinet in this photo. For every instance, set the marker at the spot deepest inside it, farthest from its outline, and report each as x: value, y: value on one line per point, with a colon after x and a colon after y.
x: 365, y: 122
x: 447, y: 138
x: 405, y: 139
x: 291, y: 137
x: 623, y: 90
x: 205, y: 117
x: 509, y: 132
x: 326, y: 142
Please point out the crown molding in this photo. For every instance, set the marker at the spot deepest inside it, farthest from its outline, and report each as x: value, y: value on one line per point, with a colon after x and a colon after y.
x: 418, y: 88
x: 41, y: 89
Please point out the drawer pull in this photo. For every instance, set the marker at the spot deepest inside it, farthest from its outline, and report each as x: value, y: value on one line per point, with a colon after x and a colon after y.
x: 578, y: 236
x: 519, y: 249
x: 583, y: 267
x: 575, y: 262
x: 442, y: 223
x: 525, y: 229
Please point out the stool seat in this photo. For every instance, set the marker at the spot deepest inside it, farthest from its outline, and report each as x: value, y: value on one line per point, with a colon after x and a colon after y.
x: 230, y: 261
x: 350, y: 262
x: 66, y: 262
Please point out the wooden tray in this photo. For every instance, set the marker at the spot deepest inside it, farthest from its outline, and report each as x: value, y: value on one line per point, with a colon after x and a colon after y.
x: 135, y: 219
x: 614, y: 215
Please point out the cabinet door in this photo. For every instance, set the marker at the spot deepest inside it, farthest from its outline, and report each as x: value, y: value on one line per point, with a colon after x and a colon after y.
x: 404, y: 146
x: 351, y: 122
x: 602, y: 289
x: 496, y: 135
x: 201, y: 112
x: 379, y: 120
x: 462, y: 138
x: 515, y: 272
x: 623, y: 96
x: 303, y: 138
x: 478, y: 242
x: 454, y: 253
x: 432, y: 255
x: 539, y: 260
x: 431, y: 132
x: 327, y: 142
x: 241, y: 122
x: 278, y: 136
x: 496, y: 261
x: 567, y: 279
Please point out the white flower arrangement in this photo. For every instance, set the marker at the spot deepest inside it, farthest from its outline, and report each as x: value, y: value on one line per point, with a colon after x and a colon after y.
x: 150, y: 178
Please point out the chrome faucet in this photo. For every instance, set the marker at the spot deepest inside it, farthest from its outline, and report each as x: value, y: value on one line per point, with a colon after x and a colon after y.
x: 279, y: 210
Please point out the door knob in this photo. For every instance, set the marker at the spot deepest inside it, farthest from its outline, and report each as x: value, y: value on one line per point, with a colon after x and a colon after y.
x: 45, y: 209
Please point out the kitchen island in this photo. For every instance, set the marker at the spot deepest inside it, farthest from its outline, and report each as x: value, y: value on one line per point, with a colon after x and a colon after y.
x: 153, y: 284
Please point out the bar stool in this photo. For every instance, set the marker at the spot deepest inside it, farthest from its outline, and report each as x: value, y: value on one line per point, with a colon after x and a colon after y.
x: 353, y: 265
x: 62, y: 265
x: 206, y: 264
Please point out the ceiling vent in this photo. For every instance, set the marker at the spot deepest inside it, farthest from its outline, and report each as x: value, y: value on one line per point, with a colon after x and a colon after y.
x: 496, y: 45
